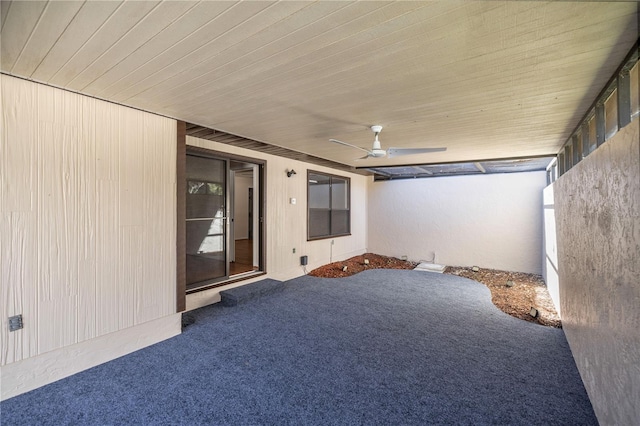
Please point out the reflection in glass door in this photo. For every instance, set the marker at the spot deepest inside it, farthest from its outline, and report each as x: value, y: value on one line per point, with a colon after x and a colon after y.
x: 206, y: 245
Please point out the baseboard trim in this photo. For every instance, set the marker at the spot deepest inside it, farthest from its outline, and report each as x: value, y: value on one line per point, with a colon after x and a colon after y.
x: 31, y: 373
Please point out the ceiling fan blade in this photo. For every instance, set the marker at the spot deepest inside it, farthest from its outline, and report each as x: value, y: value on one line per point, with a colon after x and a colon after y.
x: 348, y: 144
x: 362, y: 158
x: 395, y: 152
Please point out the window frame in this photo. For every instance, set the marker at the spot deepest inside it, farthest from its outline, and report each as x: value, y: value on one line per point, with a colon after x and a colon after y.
x: 348, y: 209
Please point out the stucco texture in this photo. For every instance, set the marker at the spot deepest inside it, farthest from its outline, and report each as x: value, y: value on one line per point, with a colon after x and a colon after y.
x: 597, y: 212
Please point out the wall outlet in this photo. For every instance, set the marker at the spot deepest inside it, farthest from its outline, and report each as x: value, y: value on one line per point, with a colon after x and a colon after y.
x: 294, y: 249
x: 15, y: 323
x: 333, y: 242
x: 304, y: 260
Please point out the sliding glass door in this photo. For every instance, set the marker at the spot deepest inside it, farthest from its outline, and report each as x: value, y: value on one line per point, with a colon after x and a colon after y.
x: 206, y: 227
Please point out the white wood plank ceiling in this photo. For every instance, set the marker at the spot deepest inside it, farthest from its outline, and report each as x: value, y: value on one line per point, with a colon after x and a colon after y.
x: 486, y: 79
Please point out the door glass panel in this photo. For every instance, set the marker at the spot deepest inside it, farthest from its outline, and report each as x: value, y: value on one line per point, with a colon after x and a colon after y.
x: 206, y: 219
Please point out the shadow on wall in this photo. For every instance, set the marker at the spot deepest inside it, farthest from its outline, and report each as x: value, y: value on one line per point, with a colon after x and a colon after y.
x: 550, y: 248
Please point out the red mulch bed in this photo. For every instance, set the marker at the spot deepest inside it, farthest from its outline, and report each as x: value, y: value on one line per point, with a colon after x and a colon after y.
x: 525, y: 291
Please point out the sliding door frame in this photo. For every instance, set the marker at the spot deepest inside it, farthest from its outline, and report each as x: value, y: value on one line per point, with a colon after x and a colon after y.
x: 181, y: 183
x: 181, y: 216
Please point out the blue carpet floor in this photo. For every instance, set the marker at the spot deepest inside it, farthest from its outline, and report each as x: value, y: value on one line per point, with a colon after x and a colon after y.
x: 244, y: 293
x: 379, y: 348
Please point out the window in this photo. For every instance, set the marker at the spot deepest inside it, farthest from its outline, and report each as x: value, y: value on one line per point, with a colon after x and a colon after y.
x: 616, y: 106
x: 593, y: 140
x: 568, y: 157
x: 611, y: 115
x: 576, y: 148
x: 328, y: 204
x: 635, y: 90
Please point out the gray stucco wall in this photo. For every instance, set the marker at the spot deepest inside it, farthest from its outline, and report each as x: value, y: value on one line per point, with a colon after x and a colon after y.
x: 597, y: 213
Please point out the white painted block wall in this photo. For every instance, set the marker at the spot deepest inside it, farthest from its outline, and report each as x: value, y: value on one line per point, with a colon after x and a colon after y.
x: 493, y: 221
x: 87, y: 227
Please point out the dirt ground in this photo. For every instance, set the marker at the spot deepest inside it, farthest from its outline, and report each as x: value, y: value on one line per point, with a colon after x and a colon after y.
x: 514, y: 293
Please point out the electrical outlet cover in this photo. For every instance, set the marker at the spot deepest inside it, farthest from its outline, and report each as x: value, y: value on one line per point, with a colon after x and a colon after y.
x: 15, y: 323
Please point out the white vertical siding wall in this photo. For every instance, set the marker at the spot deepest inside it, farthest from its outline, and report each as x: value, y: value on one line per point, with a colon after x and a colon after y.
x: 493, y: 221
x: 286, y: 224
x: 87, y: 218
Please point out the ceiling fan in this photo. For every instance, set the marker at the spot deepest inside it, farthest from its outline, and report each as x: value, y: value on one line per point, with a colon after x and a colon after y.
x: 377, y: 152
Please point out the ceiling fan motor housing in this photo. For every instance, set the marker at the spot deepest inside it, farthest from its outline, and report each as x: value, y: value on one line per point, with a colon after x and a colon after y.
x: 377, y: 150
